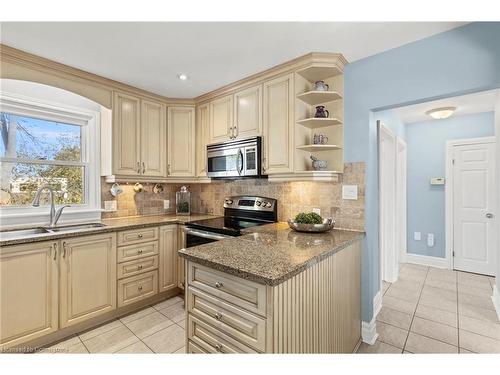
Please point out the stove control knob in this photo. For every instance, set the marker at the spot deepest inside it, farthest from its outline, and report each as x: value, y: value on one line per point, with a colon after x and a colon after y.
x: 258, y: 203
x: 268, y: 204
x: 229, y: 201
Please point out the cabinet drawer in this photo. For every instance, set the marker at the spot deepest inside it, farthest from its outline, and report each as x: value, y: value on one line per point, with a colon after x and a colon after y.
x: 136, y: 288
x: 136, y: 267
x: 137, y: 235
x: 132, y: 252
x: 245, y: 327
x: 247, y: 294
x: 192, y: 348
x: 211, y: 340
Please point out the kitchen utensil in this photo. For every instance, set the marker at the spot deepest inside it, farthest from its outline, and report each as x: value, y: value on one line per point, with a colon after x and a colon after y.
x: 320, y: 86
x: 327, y: 225
x: 138, y: 187
x: 115, y: 190
x: 321, y: 112
x: 319, y: 165
x: 158, y: 188
x: 320, y: 139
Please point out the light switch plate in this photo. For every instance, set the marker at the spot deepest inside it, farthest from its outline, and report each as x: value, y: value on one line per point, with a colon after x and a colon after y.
x: 317, y: 211
x: 430, y: 240
x: 109, y: 206
x: 417, y: 236
x: 166, y: 204
x: 350, y: 192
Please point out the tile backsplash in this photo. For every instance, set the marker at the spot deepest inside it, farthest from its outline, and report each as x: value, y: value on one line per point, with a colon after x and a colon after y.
x: 293, y: 197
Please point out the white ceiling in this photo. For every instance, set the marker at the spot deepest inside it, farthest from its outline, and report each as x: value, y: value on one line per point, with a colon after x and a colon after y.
x: 466, y: 104
x: 150, y: 55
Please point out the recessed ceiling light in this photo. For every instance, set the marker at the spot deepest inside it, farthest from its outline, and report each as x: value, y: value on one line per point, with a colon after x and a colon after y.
x: 182, y: 77
x: 441, y: 113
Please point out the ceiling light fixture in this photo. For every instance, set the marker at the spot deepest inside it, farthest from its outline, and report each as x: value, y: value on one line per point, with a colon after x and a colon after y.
x: 441, y: 113
x: 182, y: 77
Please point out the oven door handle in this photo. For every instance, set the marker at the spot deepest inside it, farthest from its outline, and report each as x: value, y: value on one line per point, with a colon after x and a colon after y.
x: 239, y: 167
x: 204, y: 234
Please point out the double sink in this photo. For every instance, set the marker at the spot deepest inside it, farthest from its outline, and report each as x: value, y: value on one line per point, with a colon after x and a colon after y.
x: 40, y: 231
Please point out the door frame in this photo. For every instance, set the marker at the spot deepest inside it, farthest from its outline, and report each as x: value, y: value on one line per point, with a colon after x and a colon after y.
x: 401, y: 198
x: 448, y: 189
x: 389, y: 270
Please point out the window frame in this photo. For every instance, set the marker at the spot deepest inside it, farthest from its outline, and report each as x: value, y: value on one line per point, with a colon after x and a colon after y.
x: 90, y: 159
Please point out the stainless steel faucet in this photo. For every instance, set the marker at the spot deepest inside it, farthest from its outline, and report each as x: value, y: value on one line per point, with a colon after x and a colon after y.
x: 54, y: 215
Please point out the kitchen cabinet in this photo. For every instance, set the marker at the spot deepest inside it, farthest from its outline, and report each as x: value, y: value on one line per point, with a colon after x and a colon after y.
x: 278, y: 98
x: 87, y: 278
x: 29, y: 292
x: 139, y: 137
x: 126, y: 134
x: 202, y: 133
x: 248, y: 112
x: 153, y: 139
x: 181, y: 263
x: 181, y: 142
x: 221, y: 119
x: 168, y: 258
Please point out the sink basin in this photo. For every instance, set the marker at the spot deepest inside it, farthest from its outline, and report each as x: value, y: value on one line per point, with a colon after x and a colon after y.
x: 34, y: 232
x: 22, y: 233
x: 74, y: 227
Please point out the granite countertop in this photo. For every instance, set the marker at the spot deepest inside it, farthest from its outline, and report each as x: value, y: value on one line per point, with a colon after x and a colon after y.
x: 110, y: 225
x: 270, y: 254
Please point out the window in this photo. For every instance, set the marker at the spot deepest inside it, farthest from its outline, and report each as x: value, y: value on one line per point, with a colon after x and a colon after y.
x: 44, y: 145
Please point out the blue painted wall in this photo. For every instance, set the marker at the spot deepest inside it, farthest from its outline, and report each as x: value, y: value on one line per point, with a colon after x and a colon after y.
x: 426, y: 158
x: 459, y: 61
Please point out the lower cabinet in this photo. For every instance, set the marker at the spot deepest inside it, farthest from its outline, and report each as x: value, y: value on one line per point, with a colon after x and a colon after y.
x: 87, y: 278
x: 29, y: 292
x: 168, y: 257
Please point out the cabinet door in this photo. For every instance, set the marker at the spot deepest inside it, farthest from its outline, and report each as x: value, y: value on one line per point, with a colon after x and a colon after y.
x: 168, y: 257
x: 88, y: 278
x: 248, y: 112
x: 278, y: 125
x: 181, y: 142
x: 221, y: 119
x: 202, y: 125
x: 153, y: 139
x: 28, y: 297
x: 126, y: 134
x: 181, y: 264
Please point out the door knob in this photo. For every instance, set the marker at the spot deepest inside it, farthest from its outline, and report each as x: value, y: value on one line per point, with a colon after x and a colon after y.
x: 489, y: 215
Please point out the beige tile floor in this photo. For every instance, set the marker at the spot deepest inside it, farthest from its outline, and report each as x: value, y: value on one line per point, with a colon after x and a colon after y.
x: 155, y: 329
x: 431, y: 310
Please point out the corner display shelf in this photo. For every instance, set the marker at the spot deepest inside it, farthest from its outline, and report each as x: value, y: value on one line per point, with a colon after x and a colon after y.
x: 319, y: 97
x: 313, y: 123
x: 313, y: 148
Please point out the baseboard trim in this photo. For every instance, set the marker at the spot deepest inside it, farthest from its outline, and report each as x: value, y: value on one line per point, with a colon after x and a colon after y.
x: 426, y: 260
x: 496, y: 300
x: 369, y: 329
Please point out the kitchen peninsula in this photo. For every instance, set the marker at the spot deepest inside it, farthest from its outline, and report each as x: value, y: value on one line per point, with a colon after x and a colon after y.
x: 274, y: 290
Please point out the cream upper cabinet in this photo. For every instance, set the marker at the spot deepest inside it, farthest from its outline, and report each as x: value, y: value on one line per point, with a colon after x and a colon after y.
x: 87, y: 277
x: 202, y: 130
x: 248, y: 112
x: 153, y: 139
x: 29, y: 295
x: 221, y: 119
x: 181, y: 142
x: 278, y: 125
x: 168, y: 258
x: 126, y: 134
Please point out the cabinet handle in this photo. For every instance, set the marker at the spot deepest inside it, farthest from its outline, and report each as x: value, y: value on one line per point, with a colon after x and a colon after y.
x: 237, y: 131
x: 218, y: 316
x: 55, y: 251
x: 218, y: 347
x: 168, y: 169
x: 143, y: 167
x: 64, y: 249
x: 139, y: 267
x: 218, y: 285
x: 139, y: 235
x: 139, y: 251
x: 138, y: 167
x: 264, y: 164
x: 139, y: 287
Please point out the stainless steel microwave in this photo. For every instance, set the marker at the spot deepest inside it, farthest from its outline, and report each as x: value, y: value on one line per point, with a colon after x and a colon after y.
x: 233, y: 159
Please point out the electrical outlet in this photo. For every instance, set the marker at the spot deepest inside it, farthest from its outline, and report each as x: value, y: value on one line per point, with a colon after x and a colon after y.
x: 350, y: 192
x: 166, y: 204
x: 417, y: 236
x: 317, y: 211
x: 109, y: 206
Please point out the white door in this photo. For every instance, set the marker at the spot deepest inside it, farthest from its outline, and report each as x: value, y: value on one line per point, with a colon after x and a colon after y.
x: 474, y: 208
x: 401, y: 157
x: 387, y: 195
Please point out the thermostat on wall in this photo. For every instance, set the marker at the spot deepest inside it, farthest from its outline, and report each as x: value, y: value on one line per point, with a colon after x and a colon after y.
x: 437, y: 181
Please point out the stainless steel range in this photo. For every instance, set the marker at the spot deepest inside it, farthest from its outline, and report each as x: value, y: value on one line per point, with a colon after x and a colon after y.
x: 240, y: 212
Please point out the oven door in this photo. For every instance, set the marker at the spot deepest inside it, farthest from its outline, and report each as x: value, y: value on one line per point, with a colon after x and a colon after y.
x: 196, y: 237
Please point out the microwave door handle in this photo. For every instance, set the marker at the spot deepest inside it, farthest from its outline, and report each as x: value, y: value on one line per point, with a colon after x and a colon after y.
x: 240, y: 161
